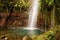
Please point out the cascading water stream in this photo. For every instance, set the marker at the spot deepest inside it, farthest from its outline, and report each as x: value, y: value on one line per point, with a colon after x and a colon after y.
x: 33, y: 14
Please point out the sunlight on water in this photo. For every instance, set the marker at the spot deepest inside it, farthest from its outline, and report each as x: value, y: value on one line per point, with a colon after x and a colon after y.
x: 33, y: 15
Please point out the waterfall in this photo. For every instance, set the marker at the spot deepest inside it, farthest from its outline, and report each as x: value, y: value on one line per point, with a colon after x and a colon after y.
x: 33, y: 15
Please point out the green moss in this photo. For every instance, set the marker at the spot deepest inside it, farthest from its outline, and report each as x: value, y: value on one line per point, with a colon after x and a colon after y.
x: 49, y: 35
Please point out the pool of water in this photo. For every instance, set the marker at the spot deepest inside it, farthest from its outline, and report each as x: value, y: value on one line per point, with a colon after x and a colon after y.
x: 22, y: 32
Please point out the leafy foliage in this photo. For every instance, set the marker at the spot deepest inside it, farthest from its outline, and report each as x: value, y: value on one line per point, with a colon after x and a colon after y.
x: 45, y: 4
x: 22, y: 5
x: 17, y: 5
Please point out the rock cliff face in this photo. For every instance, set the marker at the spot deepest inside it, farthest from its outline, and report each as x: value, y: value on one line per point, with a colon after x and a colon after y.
x: 16, y: 19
